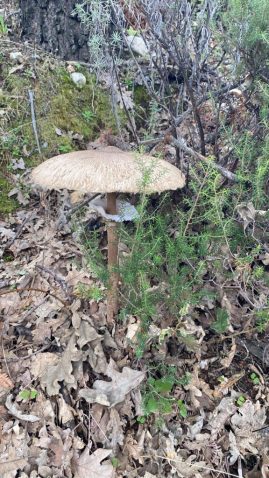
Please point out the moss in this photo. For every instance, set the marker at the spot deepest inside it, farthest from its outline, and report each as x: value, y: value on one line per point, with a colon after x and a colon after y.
x: 67, y: 117
x: 142, y: 105
x: 7, y: 204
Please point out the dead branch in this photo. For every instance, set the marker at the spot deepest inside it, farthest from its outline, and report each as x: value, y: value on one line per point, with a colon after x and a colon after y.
x: 180, y: 143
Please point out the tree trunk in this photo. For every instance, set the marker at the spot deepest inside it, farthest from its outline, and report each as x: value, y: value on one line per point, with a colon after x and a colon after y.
x: 50, y: 25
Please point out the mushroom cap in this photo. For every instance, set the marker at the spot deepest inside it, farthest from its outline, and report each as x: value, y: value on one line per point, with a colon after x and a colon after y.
x: 106, y: 171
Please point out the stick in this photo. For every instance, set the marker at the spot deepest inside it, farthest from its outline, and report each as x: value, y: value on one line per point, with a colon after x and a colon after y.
x: 31, y: 99
x: 81, y: 204
x: 180, y: 143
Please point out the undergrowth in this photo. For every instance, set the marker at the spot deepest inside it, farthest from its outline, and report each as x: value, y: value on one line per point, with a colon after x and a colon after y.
x: 175, y: 252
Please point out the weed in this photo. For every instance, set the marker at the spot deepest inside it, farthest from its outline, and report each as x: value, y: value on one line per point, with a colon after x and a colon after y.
x: 221, y: 323
x: 3, y: 26
x: 92, y: 292
x: 115, y: 462
x: 240, y: 401
x: 65, y: 148
x: 182, y: 408
x: 28, y: 394
x: 262, y: 317
x: 255, y: 379
x: 88, y: 115
x: 158, y: 396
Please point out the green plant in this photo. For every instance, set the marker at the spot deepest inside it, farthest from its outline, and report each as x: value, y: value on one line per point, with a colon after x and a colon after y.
x: 94, y: 256
x: 248, y: 30
x: 128, y: 81
x: 158, y: 396
x: 262, y: 321
x: 88, y: 115
x: 92, y: 292
x: 132, y: 31
x: 115, y: 462
x: 158, y: 399
x: 28, y: 394
x: 221, y: 323
x: 65, y: 148
x: 255, y: 379
x: 182, y: 408
x: 3, y: 26
x: 240, y: 401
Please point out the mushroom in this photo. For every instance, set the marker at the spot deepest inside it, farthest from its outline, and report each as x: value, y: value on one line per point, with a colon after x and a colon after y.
x: 109, y: 171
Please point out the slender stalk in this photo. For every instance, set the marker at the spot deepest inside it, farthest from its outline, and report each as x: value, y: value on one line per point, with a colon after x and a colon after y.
x: 112, y: 239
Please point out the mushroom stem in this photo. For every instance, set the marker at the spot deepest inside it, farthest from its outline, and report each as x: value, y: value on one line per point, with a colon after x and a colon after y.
x: 112, y: 239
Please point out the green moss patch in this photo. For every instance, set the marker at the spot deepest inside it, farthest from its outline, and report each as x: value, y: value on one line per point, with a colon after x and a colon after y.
x: 67, y: 117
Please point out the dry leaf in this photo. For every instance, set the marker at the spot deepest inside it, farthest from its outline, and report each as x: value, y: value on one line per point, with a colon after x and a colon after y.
x: 222, y: 413
x: 66, y: 412
x: 224, y: 386
x: 12, y: 465
x: 6, y: 234
x: 61, y: 371
x: 135, y: 449
x: 114, y: 429
x: 199, y: 390
x: 248, y: 213
x: 93, y: 396
x: 5, y: 381
x: 11, y: 406
x: 89, y: 466
x: 226, y: 362
x: 122, y: 383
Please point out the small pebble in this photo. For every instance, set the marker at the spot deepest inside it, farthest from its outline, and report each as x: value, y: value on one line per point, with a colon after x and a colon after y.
x: 79, y: 79
x: 16, y: 56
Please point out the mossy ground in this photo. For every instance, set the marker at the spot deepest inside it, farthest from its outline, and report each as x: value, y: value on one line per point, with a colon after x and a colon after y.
x: 67, y: 117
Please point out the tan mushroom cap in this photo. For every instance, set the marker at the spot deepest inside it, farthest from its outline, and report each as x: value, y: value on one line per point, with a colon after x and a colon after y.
x: 107, y: 171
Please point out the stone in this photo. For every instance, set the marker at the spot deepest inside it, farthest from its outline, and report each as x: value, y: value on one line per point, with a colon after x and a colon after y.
x: 16, y: 56
x: 137, y: 44
x: 79, y: 79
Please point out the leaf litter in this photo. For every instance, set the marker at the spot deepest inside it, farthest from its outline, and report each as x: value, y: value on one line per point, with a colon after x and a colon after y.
x: 89, y: 387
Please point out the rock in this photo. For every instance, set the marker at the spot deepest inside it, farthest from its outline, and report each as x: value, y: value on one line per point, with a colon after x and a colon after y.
x: 16, y: 57
x: 137, y: 44
x: 79, y: 79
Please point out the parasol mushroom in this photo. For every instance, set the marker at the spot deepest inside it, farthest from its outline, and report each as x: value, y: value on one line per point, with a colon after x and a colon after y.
x: 109, y: 171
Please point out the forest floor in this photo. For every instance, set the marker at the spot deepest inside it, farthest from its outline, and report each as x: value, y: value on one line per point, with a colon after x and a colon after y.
x: 76, y: 400
x: 73, y: 390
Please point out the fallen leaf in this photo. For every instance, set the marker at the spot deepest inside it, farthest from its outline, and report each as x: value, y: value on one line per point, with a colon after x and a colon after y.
x: 248, y: 213
x: 93, y: 396
x: 66, y: 412
x: 122, y: 383
x: 222, y: 413
x: 12, y: 465
x: 226, y: 362
x: 62, y: 371
x: 6, y: 233
x: 15, y: 69
x: 134, y: 448
x: 224, y: 386
x: 11, y: 406
x: 90, y: 466
x: 5, y: 381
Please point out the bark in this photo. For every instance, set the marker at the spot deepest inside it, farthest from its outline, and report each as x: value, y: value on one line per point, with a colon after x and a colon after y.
x: 50, y: 25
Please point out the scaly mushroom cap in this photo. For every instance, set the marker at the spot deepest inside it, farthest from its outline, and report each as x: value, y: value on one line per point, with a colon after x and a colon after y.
x: 107, y: 171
